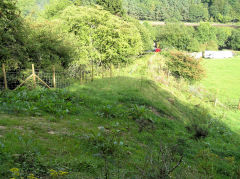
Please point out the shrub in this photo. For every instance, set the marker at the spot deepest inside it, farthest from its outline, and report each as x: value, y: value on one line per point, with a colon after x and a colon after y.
x: 197, y: 12
x: 177, y: 36
x: 234, y: 41
x: 223, y: 34
x: 211, y: 45
x: 182, y: 65
x: 160, y: 163
x: 145, y: 32
x: 205, y: 33
x: 100, y: 35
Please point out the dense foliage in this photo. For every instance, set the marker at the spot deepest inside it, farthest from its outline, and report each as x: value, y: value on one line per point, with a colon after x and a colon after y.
x: 234, y: 41
x: 184, y: 10
x: 24, y: 41
x: 114, y: 6
x: 203, y: 37
x: 160, y: 10
x: 66, y: 31
x: 11, y: 33
x: 183, y: 66
x: 177, y: 36
x: 101, y: 36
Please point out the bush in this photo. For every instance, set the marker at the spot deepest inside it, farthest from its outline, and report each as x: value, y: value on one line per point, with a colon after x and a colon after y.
x: 100, y: 35
x: 197, y: 13
x: 182, y: 65
x: 211, y: 45
x: 12, y: 38
x: 223, y: 34
x: 145, y: 32
x: 177, y: 36
x: 205, y: 33
x: 234, y: 41
x: 27, y: 41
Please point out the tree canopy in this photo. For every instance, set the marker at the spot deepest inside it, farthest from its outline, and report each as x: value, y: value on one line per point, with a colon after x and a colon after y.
x: 184, y: 10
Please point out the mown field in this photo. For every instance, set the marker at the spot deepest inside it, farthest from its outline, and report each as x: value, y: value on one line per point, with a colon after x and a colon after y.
x: 223, y: 80
x: 223, y: 77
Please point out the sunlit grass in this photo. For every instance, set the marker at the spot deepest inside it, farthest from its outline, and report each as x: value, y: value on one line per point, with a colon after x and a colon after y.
x: 223, y: 77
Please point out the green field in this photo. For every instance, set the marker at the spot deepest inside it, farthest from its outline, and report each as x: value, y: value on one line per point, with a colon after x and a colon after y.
x: 223, y: 80
x: 223, y: 77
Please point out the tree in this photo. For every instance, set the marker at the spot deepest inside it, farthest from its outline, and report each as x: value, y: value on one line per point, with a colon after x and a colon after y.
x: 55, y: 7
x: 12, y: 37
x: 113, y: 6
x: 205, y: 33
x: 234, y: 41
x: 197, y: 13
x: 223, y: 35
x: 101, y: 36
x: 177, y: 36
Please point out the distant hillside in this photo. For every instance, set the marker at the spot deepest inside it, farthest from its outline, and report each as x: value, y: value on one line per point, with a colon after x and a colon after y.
x: 160, y: 10
x: 184, y: 10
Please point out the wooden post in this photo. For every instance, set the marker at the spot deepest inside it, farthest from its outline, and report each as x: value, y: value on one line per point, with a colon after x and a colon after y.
x: 215, y: 103
x: 92, y: 71
x: 111, y: 70
x: 34, y: 76
x: 54, y: 77
x: 4, y: 76
x: 102, y: 71
x: 80, y: 76
x: 168, y: 74
x: 83, y: 76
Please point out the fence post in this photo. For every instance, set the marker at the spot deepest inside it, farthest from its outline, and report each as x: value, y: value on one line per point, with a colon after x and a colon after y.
x: 83, y: 76
x: 239, y: 105
x: 4, y: 76
x: 34, y: 76
x: 111, y: 70
x: 102, y: 71
x: 54, y: 77
x: 215, y: 102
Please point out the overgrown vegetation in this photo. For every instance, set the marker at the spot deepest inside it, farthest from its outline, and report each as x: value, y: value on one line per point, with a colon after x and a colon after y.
x: 184, y: 10
x: 116, y: 128
x: 182, y: 65
x: 145, y: 121
x: 201, y: 38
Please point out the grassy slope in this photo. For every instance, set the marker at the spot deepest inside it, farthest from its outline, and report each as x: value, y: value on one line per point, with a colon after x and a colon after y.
x: 36, y: 143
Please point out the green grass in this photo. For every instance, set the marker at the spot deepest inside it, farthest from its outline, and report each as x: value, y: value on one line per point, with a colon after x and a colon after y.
x: 111, y: 127
x: 223, y: 80
x: 223, y: 77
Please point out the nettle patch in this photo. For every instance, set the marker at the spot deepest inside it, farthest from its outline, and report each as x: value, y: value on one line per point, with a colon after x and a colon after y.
x: 39, y: 102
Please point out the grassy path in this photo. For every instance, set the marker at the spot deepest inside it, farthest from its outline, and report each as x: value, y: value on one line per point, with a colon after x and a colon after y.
x: 159, y: 23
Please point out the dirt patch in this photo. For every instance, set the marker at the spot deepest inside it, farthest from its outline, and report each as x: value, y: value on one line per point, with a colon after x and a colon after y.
x: 161, y: 114
x: 3, y: 127
x: 51, y: 132
x: 18, y: 128
x: 155, y: 111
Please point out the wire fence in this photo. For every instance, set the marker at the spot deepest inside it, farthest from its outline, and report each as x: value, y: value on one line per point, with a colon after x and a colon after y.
x: 31, y: 78
x: 214, y: 98
x: 13, y: 79
x: 16, y: 78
